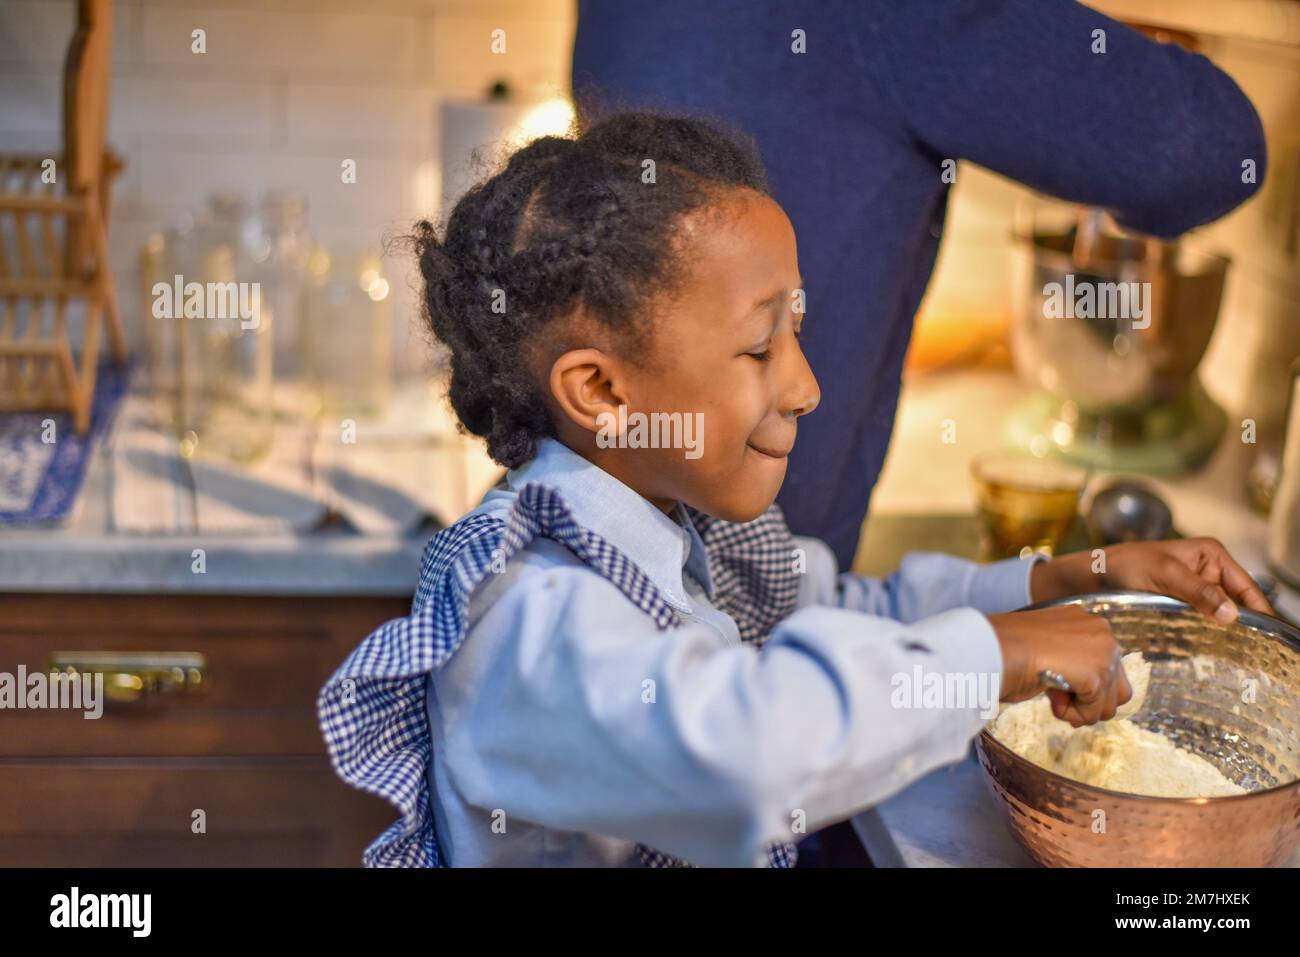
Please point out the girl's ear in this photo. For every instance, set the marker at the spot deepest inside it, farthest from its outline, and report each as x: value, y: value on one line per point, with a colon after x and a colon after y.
x: 587, y: 385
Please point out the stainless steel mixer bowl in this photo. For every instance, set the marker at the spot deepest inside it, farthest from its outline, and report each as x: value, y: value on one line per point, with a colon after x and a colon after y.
x: 1203, y: 678
x: 1107, y: 363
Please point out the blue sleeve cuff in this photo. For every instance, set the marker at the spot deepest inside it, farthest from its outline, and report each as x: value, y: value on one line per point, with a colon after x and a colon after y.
x: 1003, y: 586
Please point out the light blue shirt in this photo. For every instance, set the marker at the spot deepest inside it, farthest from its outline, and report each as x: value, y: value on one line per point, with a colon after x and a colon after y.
x: 568, y: 727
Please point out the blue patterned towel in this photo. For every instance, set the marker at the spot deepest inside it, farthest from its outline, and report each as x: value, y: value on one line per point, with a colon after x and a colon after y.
x: 40, y: 479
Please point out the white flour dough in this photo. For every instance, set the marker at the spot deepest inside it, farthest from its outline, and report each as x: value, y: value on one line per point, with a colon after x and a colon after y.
x: 1117, y: 754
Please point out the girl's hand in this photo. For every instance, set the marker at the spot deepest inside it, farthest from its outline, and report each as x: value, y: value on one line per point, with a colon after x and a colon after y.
x: 1066, y: 639
x: 1198, y: 571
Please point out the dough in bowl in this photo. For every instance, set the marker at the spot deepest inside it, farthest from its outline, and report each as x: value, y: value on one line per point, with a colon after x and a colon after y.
x: 1117, y: 754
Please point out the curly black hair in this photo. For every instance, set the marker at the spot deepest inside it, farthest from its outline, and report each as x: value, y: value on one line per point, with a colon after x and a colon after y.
x: 570, y: 223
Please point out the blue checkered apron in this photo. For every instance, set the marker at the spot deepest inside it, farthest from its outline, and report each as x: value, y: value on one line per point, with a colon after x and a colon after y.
x: 372, y: 711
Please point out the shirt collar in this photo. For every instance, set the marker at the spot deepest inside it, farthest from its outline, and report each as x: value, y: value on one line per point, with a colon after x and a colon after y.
x: 661, y: 546
x: 697, y: 557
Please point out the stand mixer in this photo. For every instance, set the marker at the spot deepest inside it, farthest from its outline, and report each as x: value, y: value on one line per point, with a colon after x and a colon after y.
x: 1111, y: 328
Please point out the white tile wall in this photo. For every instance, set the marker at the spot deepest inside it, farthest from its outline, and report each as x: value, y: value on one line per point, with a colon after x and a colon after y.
x: 286, y: 90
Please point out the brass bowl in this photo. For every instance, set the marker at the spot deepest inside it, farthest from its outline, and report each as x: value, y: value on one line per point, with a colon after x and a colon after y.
x: 1203, y: 678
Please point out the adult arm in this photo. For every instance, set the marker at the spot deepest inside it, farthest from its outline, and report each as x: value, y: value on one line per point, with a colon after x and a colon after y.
x: 1150, y: 131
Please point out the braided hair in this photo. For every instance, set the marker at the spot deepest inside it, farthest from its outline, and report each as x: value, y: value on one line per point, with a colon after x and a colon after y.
x: 570, y: 223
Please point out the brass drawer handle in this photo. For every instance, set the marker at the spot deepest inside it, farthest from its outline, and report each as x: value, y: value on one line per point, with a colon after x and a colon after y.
x: 133, y: 675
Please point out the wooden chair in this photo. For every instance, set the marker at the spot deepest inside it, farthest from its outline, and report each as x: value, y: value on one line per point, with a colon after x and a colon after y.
x: 54, y: 243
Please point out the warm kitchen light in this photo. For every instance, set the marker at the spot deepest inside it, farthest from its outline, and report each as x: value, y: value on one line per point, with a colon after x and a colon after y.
x: 553, y: 117
x: 318, y: 263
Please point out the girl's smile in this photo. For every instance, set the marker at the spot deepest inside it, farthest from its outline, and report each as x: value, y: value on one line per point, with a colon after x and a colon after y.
x: 778, y: 456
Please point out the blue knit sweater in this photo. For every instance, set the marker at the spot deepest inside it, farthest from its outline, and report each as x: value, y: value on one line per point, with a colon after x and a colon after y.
x: 855, y: 130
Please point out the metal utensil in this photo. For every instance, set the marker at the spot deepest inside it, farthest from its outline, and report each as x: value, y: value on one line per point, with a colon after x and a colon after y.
x: 1054, y: 679
x: 1127, y: 510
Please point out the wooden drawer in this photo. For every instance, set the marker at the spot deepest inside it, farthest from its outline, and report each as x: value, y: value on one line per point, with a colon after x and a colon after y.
x: 266, y: 661
x: 121, y: 790
x: 134, y: 813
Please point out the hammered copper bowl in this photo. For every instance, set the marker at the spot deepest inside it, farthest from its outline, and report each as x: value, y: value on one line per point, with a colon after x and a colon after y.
x: 1203, y: 679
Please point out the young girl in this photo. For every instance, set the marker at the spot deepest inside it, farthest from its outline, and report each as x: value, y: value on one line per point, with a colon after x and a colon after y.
x: 622, y: 656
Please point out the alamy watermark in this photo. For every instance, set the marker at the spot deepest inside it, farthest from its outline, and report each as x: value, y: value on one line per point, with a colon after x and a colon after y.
x: 651, y: 430
x: 209, y: 300
x: 1098, y: 300
x: 946, y: 690
x: 129, y: 911
x: 56, y: 691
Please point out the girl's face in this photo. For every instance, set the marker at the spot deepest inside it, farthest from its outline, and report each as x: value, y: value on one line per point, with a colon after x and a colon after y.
x: 723, y: 360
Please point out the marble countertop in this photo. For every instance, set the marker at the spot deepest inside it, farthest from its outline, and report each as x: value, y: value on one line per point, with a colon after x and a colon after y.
x: 924, y: 475
x: 92, y: 554
x: 87, y: 556
x: 924, y: 498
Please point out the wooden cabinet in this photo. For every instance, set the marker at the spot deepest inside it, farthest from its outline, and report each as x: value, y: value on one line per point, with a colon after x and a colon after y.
x: 124, y: 789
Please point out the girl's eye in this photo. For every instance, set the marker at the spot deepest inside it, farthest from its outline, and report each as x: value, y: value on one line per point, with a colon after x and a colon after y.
x: 763, y: 356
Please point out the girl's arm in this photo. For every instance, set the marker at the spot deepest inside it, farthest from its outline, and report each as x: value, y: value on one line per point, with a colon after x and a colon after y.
x: 925, y: 584
x: 567, y: 708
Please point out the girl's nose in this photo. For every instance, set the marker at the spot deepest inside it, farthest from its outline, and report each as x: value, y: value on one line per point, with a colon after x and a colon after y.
x: 803, y: 394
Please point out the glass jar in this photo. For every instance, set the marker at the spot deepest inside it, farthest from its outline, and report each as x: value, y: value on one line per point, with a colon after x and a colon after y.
x: 346, y: 333
x: 223, y: 337
x: 280, y: 247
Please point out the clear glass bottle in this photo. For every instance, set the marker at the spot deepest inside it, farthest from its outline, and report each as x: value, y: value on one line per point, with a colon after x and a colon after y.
x: 224, y: 353
x: 279, y: 251
x: 158, y: 259
x: 346, y: 333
